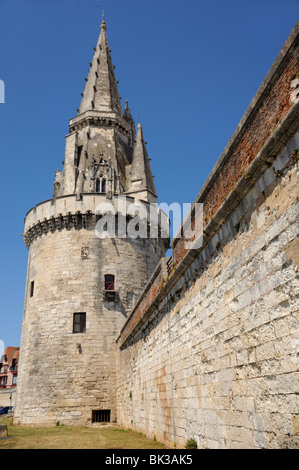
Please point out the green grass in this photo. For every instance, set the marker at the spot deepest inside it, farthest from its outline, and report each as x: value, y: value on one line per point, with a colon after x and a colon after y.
x: 69, y: 437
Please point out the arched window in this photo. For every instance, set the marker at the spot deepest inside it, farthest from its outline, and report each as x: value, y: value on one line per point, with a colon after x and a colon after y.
x: 98, y: 186
x: 101, y: 185
x: 109, y: 282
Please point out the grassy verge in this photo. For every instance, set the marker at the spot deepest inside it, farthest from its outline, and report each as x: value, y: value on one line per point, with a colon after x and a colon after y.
x: 69, y: 437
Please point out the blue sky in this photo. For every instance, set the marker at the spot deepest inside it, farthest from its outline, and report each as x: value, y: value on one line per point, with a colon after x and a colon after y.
x: 189, y: 69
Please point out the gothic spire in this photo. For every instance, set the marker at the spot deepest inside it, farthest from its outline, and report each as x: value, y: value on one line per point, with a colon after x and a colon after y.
x: 101, y: 92
x: 141, y: 174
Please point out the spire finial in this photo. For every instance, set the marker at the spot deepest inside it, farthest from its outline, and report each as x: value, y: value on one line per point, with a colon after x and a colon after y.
x: 103, y: 25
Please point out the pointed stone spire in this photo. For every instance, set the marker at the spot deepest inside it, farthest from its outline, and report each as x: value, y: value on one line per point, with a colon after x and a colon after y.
x: 141, y: 174
x: 101, y: 92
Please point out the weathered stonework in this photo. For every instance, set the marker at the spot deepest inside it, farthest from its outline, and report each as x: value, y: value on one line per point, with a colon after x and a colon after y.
x: 217, y: 358
x: 202, y: 344
x: 66, y: 375
x: 8, y: 397
x: 210, y: 350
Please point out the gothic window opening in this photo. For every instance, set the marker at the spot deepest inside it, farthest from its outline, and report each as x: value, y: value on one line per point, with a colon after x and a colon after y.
x: 98, y: 186
x: 80, y: 147
x: 101, y: 185
x: 79, y: 322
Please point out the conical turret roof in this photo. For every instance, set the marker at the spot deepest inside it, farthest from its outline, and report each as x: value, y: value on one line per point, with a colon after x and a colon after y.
x: 141, y: 173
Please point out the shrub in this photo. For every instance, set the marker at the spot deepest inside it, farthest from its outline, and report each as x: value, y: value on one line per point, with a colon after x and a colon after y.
x: 191, y: 444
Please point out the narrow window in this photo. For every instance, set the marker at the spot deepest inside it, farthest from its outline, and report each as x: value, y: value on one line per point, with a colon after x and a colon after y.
x: 3, y: 381
x: 31, y: 288
x: 98, y: 186
x: 80, y: 147
x: 79, y: 322
x: 109, y: 282
x: 101, y: 185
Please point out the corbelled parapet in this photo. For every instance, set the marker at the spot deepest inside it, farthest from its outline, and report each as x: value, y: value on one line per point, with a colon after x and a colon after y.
x: 67, y: 213
x: 100, y: 118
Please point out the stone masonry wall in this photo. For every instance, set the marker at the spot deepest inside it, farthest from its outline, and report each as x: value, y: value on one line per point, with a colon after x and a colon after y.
x: 8, y: 397
x: 64, y: 376
x: 211, y: 347
x: 217, y: 358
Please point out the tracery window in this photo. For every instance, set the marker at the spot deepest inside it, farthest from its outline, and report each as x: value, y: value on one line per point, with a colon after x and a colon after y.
x: 101, y: 185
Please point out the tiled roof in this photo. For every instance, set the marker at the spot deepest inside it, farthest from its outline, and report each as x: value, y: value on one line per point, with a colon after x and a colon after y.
x: 11, y: 352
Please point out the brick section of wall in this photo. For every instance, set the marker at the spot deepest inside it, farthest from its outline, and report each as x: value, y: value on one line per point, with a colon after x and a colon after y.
x: 269, y: 107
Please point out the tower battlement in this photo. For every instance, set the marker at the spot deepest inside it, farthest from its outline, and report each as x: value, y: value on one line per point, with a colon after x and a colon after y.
x: 68, y: 212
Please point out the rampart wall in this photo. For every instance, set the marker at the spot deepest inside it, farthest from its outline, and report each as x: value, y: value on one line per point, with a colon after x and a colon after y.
x: 210, y: 350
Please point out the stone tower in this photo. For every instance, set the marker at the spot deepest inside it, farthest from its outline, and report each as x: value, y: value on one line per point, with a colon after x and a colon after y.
x: 80, y: 287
